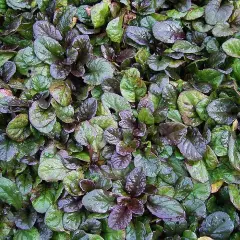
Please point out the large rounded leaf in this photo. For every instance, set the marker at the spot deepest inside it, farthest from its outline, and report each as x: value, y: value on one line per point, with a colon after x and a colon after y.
x: 114, y: 29
x: 9, y: 193
x: 31, y: 234
x: 61, y: 92
x: 41, y: 118
x: 173, y: 132
x: 25, y: 60
x: 44, y: 28
x: 193, y: 145
x: 198, y: 171
x: 53, y: 219
x: 136, y: 182
x: 48, y: 49
x: 232, y: 47
x: 90, y: 135
x: 51, y: 168
x: 120, y: 217
x: 217, y: 225
x: 18, y: 129
x: 98, y: 201
x: 165, y: 207
x: 115, y: 102
x: 99, y: 69
x: 149, y: 163
x: 99, y: 14
x: 187, y: 102
x: 168, y: 31
x: 132, y: 86
x: 217, y: 13
x: 223, y: 111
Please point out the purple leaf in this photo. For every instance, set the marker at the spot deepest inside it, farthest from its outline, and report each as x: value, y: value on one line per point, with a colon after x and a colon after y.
x: 87, y: 185
x: 136, y: 206
x: 123, y: 149
x: 70, y: 204
x: 120, y: 162
x: 174, y: 132
x: 136, y: 182
x: 113, y: 135
x: 165, y: 207
x: 120, y: 217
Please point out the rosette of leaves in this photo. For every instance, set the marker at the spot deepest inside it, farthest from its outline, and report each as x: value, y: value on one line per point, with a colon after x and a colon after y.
x: 119, y: 119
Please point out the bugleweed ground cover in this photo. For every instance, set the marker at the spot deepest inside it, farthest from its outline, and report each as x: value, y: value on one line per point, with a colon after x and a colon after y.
x: 119, y: 119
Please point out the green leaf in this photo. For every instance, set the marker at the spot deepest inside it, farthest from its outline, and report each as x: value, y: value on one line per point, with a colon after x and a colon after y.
x: 71, y: 221
x: 149, y: 162
x: 217, y: 225
x: 24, y: 183
x: 195, y: 207
x: 3, y: 6
x: 198, y: 171
x: 209, y: 76
x: 132, y: 86
x: 98, y: 201
x: 232, y: 47
x: 41, y: 118
x: 99, y: 14
x: 104, y: 122
x: 51, y: 168
x: 25, y: 60
x: 48, y: 49
x: 194, y: 13
x: 158, y: 63
x: 9, y: 193
x: 42, y: 199
x: 65, y: 20
x: 41, y: 83
x: 90, y: 135
x: 223, y: 30
x: 115, y: 102
x: 54, y: 219
x: 142, y: 56
x: 236, y: 70
x: 65, y: 114
x: 136, y: 231
x: 71, y: 182
x: 220, y: 140
x: 61, y: 92
x: 234, y: 192
x: 145, y: 115
x: 110, y: 234
x: 31, y: 234
x: 114, y: 29
x: 5, y: 56
x: 17, y: 129
x: 215, y: 13
x: 233, y: 151
x: 99, y: 69
x: 185, y: 47
x: 210, y: 158
x: 187, y: 102
x: 18, y: 4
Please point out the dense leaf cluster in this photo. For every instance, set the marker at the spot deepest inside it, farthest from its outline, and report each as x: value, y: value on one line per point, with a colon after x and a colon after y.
x: 119, y: 119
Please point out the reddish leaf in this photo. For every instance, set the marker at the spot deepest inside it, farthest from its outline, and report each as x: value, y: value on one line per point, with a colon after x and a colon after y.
x: 120, y: 217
